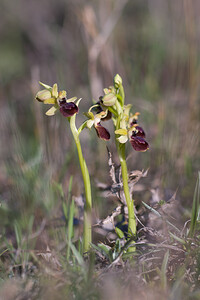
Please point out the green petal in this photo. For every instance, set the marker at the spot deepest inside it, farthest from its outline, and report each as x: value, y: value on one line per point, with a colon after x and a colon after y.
x: 72, y: 100
x: 78, y: 101
x: 55, y: 90
x: 62, y: 94
x: 106, y: 91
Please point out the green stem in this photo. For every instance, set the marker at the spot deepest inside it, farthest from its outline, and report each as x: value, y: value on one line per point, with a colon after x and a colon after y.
x: 87, y: 227
x: 129, y: 201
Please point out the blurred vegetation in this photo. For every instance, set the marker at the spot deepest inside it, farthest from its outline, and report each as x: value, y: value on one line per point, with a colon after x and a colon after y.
x: 154, y: 45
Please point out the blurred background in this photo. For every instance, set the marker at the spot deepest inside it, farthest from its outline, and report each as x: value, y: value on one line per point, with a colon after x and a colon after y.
x: 154, y: 45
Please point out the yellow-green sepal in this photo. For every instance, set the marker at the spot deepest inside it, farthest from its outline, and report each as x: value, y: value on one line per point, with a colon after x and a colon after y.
x: 121, y: 131
x: 55, y: 90
x: 109, y: 99
x: 43, y: 95
x: 50, y: 101
x: 89, y: 115
x: 127, y: 110
x: 51, y: 111
x: 46, y: 86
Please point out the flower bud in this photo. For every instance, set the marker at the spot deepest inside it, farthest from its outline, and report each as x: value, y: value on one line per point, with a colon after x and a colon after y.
x: 117, y: 81
x: 109, y: 99
x: 43, y: 95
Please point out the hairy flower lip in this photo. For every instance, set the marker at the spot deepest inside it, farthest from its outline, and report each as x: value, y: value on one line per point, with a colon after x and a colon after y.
x: 140, y: 132
x: 102, y: 132
x: 68, y: 109
x: 138, y: 143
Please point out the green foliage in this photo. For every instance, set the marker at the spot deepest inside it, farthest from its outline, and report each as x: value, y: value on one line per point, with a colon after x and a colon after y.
x: 155, y: 46
x: 195, y: 208
x: 110, y: 253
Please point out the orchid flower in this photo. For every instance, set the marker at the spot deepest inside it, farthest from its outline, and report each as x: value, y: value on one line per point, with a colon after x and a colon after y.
x: 129, y: 130
x: 50, y: 95
x: 95, y: 119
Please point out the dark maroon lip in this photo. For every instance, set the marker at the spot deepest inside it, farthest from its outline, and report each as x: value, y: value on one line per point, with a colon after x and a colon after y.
x: 138, y: 143
x: 68, y: 109
x: 102, y: 132
x: 140, y: 132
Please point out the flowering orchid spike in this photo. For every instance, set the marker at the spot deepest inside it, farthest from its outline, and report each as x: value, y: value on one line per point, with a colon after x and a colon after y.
x: 129, y: 130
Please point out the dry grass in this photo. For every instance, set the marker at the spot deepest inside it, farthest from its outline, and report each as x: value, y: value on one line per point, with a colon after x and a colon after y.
x: 154, y: 45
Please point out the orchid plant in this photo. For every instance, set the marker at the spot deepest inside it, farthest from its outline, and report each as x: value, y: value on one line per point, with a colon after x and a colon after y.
x: 69, y: 109
x: 126, y: 128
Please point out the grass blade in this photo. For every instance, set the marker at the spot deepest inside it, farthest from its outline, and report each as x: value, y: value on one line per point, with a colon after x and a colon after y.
x: 77, y: 255
x: 195, y: 208
x: 164, y: 270
x: 70, y: 226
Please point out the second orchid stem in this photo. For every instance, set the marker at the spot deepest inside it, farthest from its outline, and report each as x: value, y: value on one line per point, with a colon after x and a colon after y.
x: 87, y: 226
x: 129, y: 201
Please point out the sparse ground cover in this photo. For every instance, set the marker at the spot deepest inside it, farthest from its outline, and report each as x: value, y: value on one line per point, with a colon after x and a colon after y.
x: 41, y: 187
